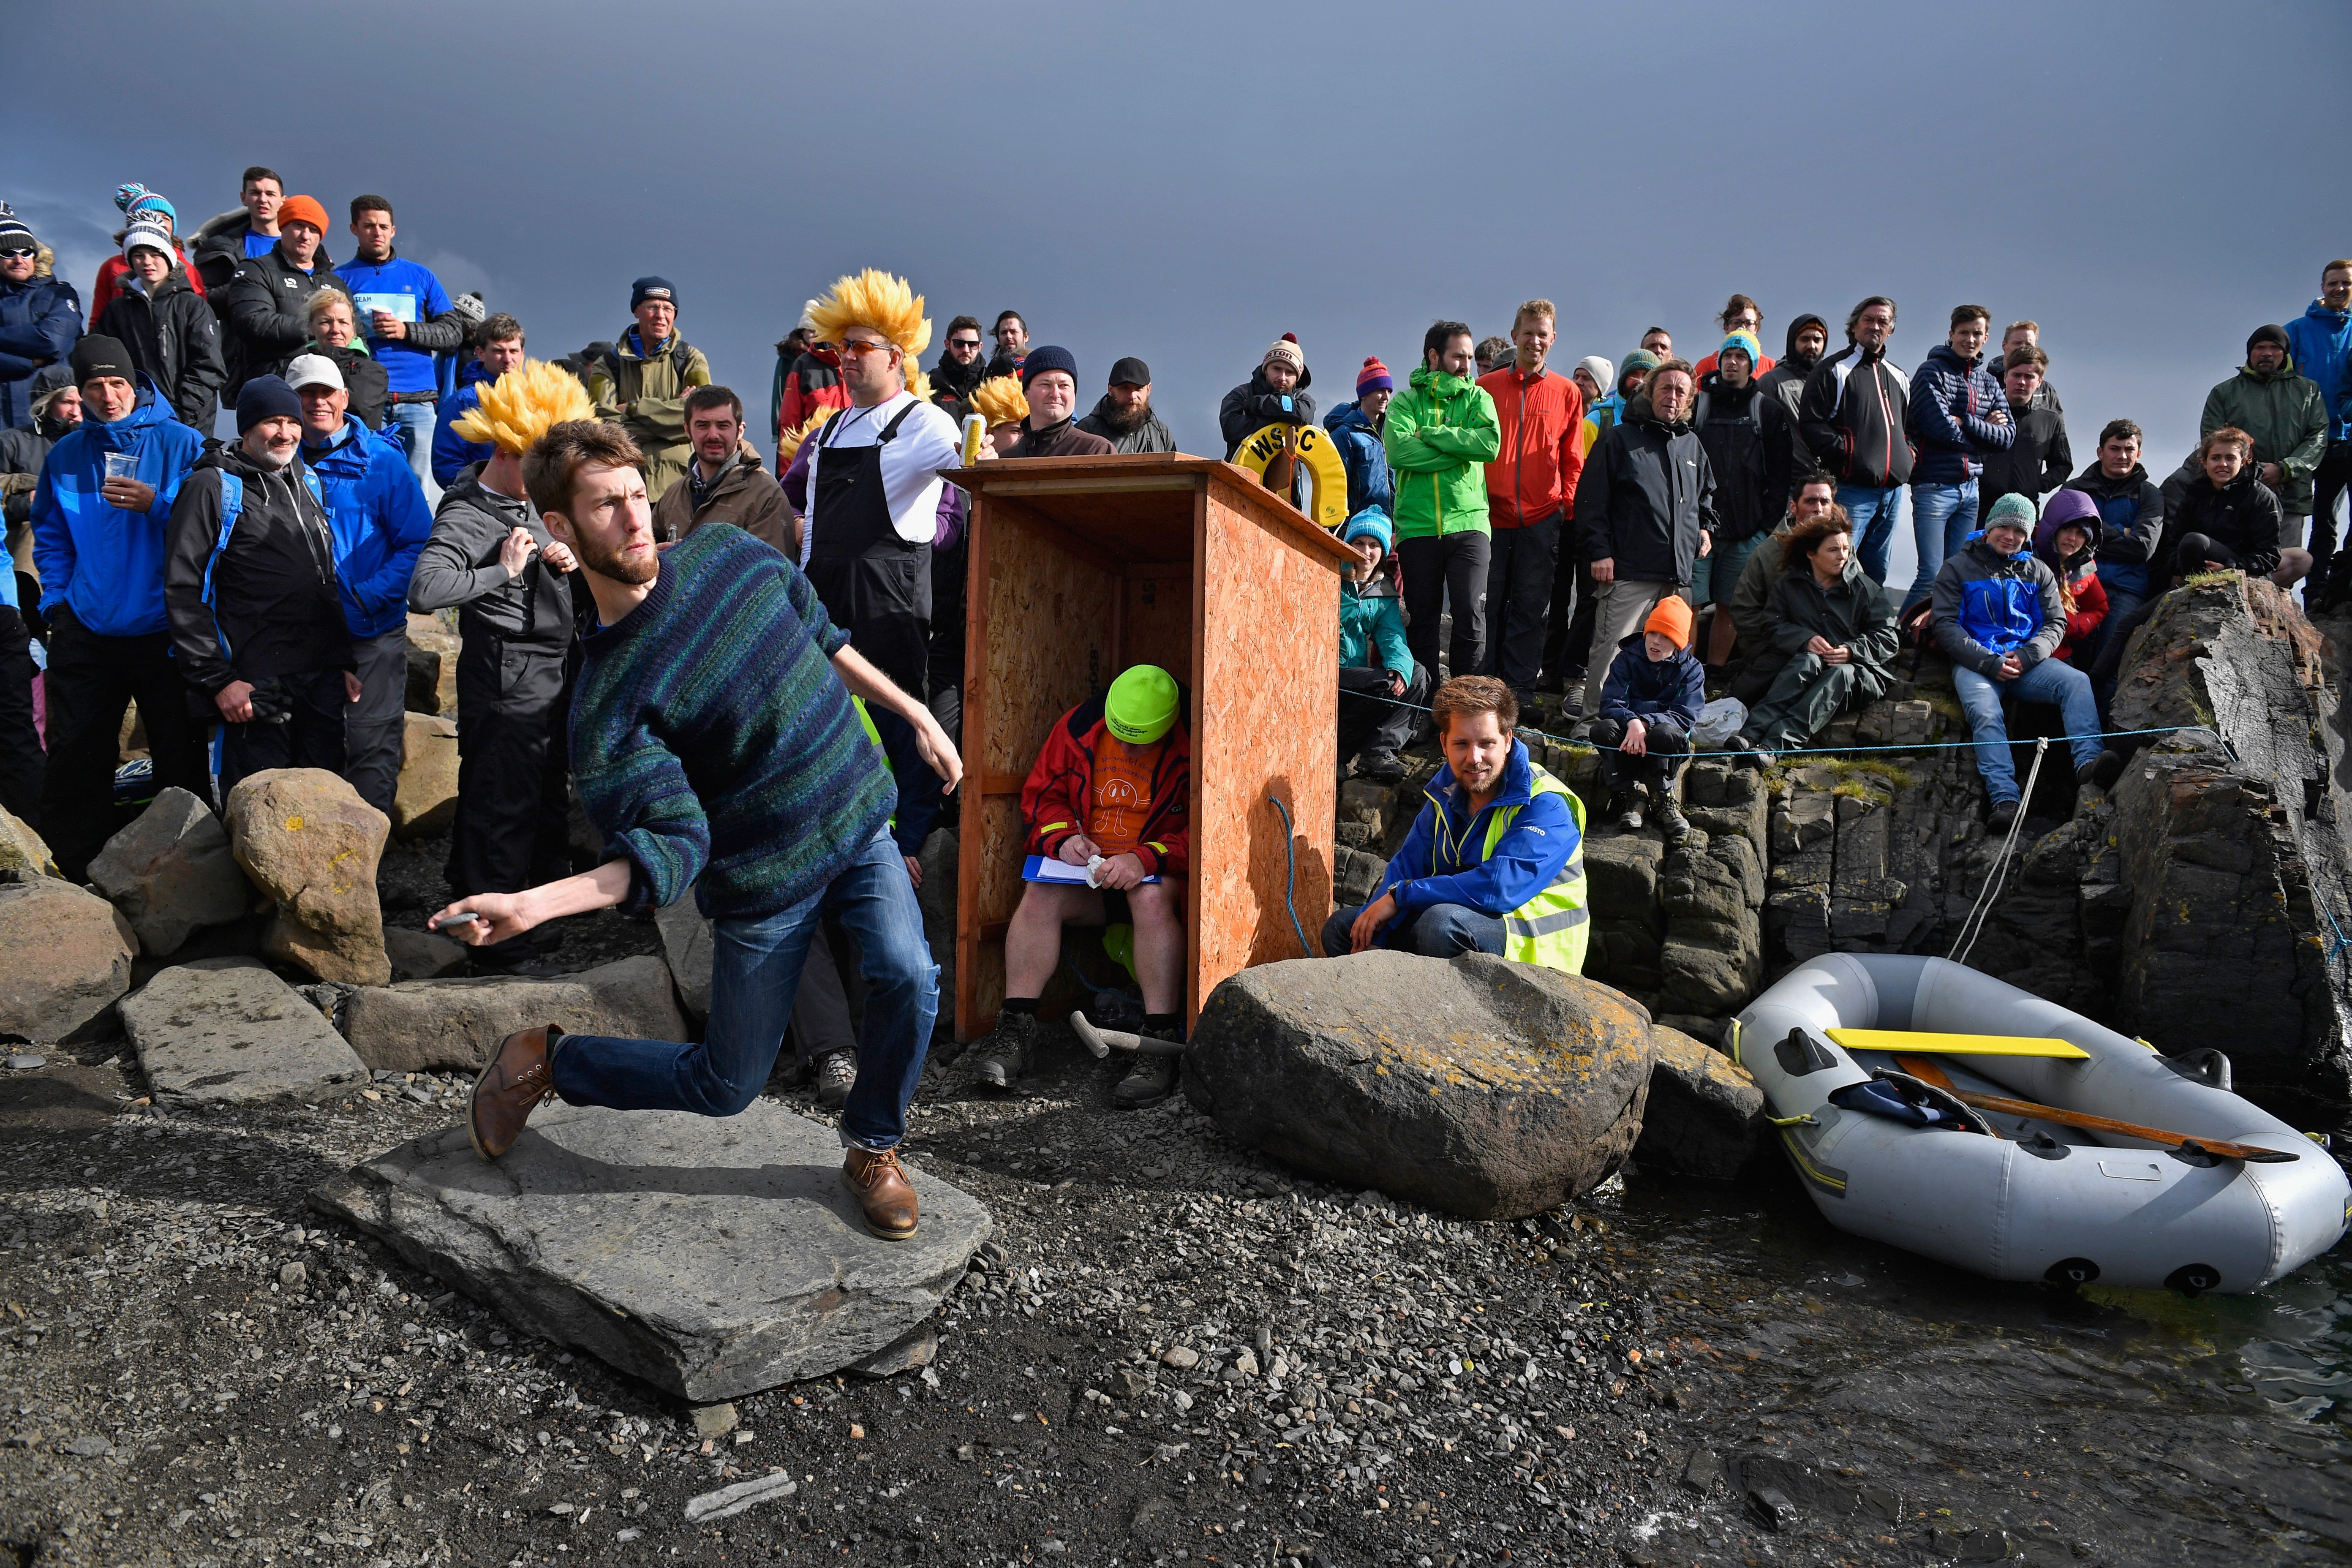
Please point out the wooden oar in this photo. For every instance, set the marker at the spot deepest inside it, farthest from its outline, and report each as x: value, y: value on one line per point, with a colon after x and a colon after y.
x: 2254, y: 1153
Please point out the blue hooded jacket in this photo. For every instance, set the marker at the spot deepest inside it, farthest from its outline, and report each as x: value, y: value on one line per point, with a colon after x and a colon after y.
x: 452, y: 453
x: 1370, y: 483
x: 1443, y: 859
x: 2320, y: 340
x: 103, y: 564
x: 380, y: 521
x: 40, y: 319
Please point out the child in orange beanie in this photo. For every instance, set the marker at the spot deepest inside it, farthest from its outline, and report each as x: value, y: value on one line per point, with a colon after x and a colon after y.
x: 1649, y: 705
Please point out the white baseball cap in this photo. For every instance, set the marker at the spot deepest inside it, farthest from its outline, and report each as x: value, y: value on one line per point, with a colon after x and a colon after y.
x: 313, y: 369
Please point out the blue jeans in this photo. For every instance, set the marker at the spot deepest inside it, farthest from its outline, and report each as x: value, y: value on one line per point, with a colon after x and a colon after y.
x: 1441, y: 930
x: 1942, y: 517
x: 755, y: 974
x: 411, y: 425
x: 2052, y: 681
x: 1871, y: 512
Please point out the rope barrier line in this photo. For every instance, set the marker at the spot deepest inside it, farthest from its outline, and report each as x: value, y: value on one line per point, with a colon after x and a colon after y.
x: 1807, y: 751
x: 1979, y: 911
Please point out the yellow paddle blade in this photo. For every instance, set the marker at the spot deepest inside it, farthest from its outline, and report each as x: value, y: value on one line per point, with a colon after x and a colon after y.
x: 1957, y: 1045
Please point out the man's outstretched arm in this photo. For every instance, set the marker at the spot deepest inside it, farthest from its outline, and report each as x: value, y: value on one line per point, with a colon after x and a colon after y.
x: 880, y: 691
x: 510, y: 914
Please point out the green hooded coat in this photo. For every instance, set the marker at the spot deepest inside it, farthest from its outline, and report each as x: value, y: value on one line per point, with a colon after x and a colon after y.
x: 1440, y: 434
x: 2287, y: 418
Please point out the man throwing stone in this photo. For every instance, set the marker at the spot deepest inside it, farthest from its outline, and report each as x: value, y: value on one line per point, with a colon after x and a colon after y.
x: 715, y: 747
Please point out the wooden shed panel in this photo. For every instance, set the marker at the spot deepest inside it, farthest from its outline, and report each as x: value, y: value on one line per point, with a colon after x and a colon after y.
x: 1061, y: 613
x: 1268, y: 669
x: 1156, y: 623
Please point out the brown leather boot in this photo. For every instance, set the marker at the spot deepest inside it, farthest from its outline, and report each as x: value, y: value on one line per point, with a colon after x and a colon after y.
x: 883, y: 1192
x: 518, y: 1079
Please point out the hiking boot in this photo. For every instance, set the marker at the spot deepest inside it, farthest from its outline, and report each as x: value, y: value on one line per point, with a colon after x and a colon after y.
x: 1668, y: 816
x: 2106, y: 769
x: 1152, y: 1080
x: 835, y: 1072
x: 520, y: 1075
x: 2004, y: 811
x: 1748, y: 757
x: 1004, y: 1055
x: 1381, y: 766
x: 1625, y: 811
x: 883, y: 1190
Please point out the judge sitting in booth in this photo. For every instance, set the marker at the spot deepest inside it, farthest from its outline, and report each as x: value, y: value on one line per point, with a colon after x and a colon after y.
x: 1108, y: 813
x: 1494, y: 862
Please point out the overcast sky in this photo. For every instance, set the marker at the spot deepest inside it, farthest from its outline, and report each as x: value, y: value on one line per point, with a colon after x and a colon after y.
x: 2148, y: 181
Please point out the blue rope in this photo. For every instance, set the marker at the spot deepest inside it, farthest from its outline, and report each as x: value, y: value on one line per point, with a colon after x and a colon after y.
x: 1290, y: 892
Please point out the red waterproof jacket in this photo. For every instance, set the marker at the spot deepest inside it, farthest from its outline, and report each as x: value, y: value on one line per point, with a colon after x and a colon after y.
x: 1058, y: 800
x: 1542, y: 425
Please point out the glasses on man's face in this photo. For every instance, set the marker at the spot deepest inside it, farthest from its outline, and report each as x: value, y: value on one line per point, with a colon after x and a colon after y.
x: 18, y: 254
x: 853, y: 349
x: 972, y: 345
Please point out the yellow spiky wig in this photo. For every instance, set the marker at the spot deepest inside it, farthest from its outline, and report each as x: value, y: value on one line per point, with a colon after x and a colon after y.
x: 1000, y: 401
x: 790, y: 441
x: 523, y: 404
x: 873, y: 299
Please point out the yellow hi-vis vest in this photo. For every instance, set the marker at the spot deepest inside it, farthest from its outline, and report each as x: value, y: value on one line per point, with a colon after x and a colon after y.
x: 1552, y: 927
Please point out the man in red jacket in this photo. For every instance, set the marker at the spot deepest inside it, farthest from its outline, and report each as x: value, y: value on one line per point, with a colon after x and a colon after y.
x: 1530, y: 495
x: 1109, y: 807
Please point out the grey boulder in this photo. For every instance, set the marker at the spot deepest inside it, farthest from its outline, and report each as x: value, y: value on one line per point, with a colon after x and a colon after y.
x: 68, y: 957
x: 712, y: 1258
x: 1706, y: 1115
x: 226, y: 1031
x: 455, y: 1025
x: 171, y: 874
x: 1476, y: 1086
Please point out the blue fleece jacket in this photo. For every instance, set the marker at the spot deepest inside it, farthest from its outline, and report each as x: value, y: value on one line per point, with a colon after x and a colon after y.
x: 410, y: 369
x: 40, y: 321
x: 2320, y: 340
x: 1949, y: 423
x: 381, y: 524
x: 452, y: 453
x: 1370, y: 483
x: 103, y: 564
x: 1638, y: 686
x: 1443, y: 858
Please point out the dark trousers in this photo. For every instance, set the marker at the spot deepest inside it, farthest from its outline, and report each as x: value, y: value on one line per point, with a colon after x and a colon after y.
x: 1370, y: 717
x: 20, y: 743
x: 1667, y: 747
x: 1518, y: 597
x: 91, y: 679
x: 2330, y: 480
x: 1568, y: 631
x: 1450, y: 566
x: 310, y: 735
x: 513, y: 805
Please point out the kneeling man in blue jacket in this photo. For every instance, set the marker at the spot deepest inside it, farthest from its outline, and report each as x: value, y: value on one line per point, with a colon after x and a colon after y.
x: 1494, y: 862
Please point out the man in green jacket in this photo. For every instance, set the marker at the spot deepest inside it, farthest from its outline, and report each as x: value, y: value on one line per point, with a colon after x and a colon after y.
x: 641, y: 383
x: 2285, y: 415
x: 1440, y: 434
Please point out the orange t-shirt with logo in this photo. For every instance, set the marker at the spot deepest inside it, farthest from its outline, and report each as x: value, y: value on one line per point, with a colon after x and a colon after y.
x: 1121, y: 800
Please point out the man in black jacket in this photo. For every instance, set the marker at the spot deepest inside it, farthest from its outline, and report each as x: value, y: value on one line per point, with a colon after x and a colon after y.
x: 1275, y: 394
x: 1123, y: 416
x: 1851, y: 416
x: 251, y: 589
x: 490, y: 555
x: 2131, y: 523
x: 1645, y: 508
x: 960, y: 368
x: 1808, y: 339
x: 2039, y: 460
x: 1747, y: 432
x: 172, y: 334
x: 264, y: 304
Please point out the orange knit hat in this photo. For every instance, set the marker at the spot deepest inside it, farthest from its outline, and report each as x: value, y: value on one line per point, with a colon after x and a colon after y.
x: 1672, y: 620
x: 302, y: 209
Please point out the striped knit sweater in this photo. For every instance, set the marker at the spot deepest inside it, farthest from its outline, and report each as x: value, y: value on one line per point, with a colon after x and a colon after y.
x: 711, y: 738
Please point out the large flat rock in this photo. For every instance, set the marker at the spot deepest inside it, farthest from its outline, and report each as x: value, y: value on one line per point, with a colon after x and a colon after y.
x: 228, y: 1032
x: 712, y: 1258
x: 455, y: 1025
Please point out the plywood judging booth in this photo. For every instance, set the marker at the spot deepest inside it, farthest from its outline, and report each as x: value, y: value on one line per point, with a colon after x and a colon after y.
x: 1082, y: 566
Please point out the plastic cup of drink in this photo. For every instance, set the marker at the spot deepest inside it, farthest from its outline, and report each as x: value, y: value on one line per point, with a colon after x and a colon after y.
x: 123, y: 465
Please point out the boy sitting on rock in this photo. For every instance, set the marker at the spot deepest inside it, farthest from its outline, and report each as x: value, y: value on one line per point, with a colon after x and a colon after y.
x: 1649, y: 705
x: 1494, y: 862
x: 1112, y: 783
x: 1374, y: 660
